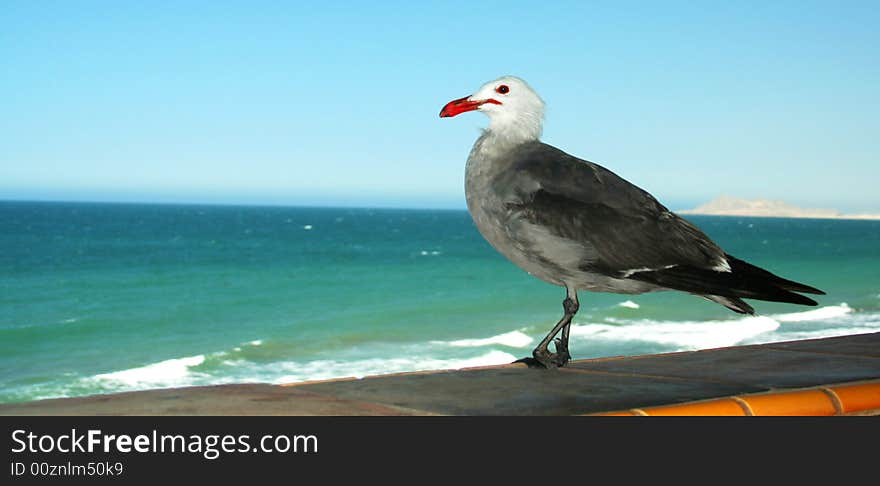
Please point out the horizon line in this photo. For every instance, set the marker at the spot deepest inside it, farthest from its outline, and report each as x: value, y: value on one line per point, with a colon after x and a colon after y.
x: 223, y: 204
x: 683, y: 212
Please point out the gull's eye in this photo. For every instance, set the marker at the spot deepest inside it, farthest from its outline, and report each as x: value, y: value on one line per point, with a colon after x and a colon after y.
x: 503, y: 89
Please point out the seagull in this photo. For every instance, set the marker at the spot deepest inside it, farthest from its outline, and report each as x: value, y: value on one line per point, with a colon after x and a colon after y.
x: 578, y: 225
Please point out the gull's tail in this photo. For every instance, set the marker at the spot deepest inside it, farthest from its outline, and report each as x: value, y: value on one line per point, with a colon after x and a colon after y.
x: 743, y: 281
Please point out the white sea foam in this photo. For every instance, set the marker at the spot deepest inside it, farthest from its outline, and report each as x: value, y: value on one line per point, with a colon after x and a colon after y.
x: 628, y: 304
x: 290, y: 372
x: 179, y: 372
x: 820, y: 314
x: 513, y: 339
x: 601, y: 338
x: 691, y: 335
x: 171, y: 372
x: 824, y: 322
x: 678, y: 334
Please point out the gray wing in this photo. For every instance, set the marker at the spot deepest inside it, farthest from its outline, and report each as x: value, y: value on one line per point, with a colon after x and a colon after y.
x: 623, y: 230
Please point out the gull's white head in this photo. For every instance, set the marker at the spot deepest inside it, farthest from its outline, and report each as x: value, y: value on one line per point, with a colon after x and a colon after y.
x: 515, y: 111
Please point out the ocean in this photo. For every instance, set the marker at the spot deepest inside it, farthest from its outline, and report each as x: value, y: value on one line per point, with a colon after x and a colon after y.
x: 100, y: 298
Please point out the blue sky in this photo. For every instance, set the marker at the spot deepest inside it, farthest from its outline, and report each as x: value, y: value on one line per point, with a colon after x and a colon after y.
x: 335, y: 103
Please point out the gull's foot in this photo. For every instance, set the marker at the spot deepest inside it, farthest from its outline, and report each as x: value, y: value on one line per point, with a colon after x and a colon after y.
x: 543, y: 358
x: 562, y: 354
x: 531, y: 362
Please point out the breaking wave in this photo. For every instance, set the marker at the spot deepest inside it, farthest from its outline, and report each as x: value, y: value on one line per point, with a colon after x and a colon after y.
x: 513, y: 339
x: 607, y: 336
x: 293, y: 371
x: 822, y: 313
x: 692, y: 335
x: 185, y: 372
x: 171, y: 372
x: 684, y: 335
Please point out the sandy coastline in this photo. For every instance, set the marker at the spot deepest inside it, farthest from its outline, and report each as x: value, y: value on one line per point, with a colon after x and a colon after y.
x: 765, y: 208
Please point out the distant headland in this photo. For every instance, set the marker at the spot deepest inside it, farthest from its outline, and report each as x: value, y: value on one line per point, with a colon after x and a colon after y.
x: 731, y: 206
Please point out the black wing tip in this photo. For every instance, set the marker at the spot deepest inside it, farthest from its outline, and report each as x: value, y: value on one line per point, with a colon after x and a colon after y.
x: 801, y: 288
x: 728, y: 289
x: 746, y: 268
x: 748, y: 311
x: 811, y: 290
x: 792, y: 286
x: 803, y: 300
x: 778, y: 294
x: 740, y: 306
x: 733, y: 303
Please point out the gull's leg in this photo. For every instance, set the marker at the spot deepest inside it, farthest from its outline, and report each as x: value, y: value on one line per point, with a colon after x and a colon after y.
x: 541, y: 353
x: 571, y: 305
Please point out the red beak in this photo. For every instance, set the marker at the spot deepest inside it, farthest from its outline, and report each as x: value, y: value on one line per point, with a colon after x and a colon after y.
x: 461, y: 105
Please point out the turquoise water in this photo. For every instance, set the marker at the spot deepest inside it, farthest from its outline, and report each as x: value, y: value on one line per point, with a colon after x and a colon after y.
x: 97, y: 298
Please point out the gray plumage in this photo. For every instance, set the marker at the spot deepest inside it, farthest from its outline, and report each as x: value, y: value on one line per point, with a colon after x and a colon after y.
x: 576, y: 224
